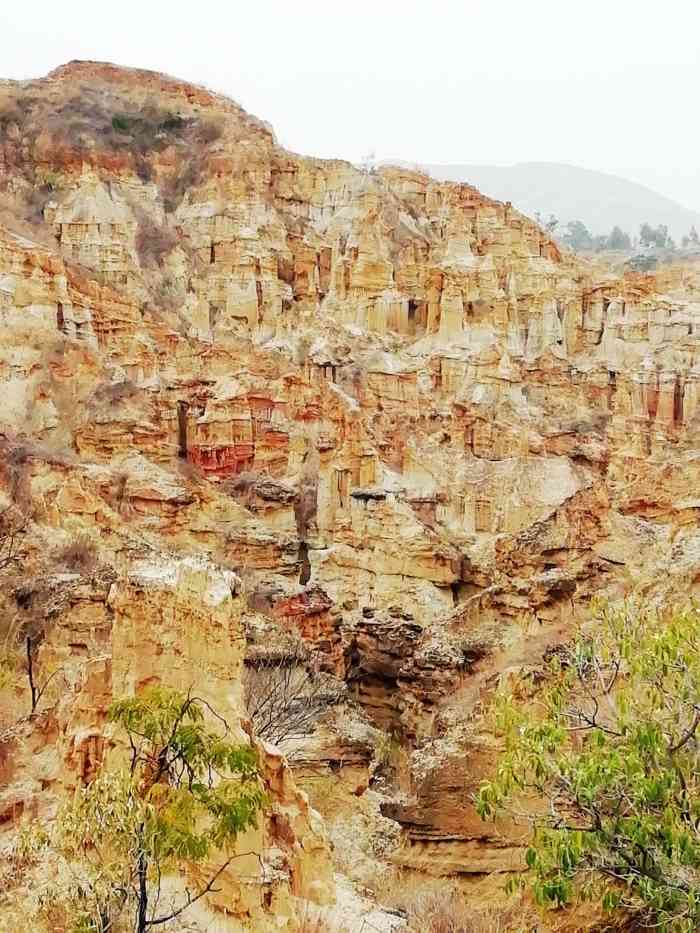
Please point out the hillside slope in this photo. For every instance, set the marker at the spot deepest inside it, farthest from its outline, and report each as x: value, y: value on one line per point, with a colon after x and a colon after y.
x: 573, y: 193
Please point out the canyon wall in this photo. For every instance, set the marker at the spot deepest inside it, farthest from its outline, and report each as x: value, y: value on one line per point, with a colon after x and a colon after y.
x: 416, y: 432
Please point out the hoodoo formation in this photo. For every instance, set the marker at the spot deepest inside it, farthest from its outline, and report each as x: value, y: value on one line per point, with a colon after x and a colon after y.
x: 255, y: 404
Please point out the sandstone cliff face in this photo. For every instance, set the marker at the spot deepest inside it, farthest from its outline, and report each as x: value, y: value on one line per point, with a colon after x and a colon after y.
x: 166, y: 621
x: 423, y: 435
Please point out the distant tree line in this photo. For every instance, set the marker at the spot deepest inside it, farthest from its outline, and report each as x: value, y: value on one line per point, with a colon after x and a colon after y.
x: 577, y: 236
x: 691, y: 239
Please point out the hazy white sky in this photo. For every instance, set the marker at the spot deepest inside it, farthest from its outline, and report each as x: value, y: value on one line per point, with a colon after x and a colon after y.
x: 608, y: 84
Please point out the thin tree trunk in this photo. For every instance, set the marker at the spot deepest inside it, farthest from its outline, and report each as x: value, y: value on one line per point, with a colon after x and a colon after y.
x: 30, y: 674
x: 141, y: 921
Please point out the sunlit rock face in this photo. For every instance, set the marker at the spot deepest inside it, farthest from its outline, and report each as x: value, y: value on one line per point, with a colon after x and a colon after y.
x: 421, y: 434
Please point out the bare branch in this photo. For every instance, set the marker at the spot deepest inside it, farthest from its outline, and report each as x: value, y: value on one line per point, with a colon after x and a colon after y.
x: 286, y: 695
x: 688, y: 734
x: 205, y: 890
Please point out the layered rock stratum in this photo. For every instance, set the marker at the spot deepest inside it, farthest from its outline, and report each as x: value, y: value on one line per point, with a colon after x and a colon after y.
x: 247, y: 391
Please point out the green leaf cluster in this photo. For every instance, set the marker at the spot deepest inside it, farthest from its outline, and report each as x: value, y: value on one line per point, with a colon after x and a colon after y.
x: 196, y: 790
x: 608, y: 753
x: 182, y: 799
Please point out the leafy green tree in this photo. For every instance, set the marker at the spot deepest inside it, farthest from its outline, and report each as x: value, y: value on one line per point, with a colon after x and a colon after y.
x: 577, y: 236
x: 691, y: 239
x: 181, y: 802
x: 612, y: 748
x: 653, y: 236
x: 647, y: 235
x: 662, y: 237
x: 618, y: 239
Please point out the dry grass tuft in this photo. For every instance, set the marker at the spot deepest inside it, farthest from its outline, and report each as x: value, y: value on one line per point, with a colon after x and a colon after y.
x: 153, y: 242
x: 316, y: 920
x: 439, y: 906
x: 78, y: 555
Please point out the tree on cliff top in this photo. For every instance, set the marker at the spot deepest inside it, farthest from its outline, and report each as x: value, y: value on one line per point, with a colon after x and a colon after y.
x: 179, y: 804
x: 549, y: 225
x: 577, y: 236
x: 612, y: 746
x: 691, y: 239
x: 618, y: 239
x: 654, y: 236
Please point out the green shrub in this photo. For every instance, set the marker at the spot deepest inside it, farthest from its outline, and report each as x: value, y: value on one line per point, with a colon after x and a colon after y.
x: 121, y: 123
x: 613, y: 748
x: 182, y: 799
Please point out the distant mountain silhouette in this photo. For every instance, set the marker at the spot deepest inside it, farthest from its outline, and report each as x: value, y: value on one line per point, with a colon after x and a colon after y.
x: 573, y: 193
